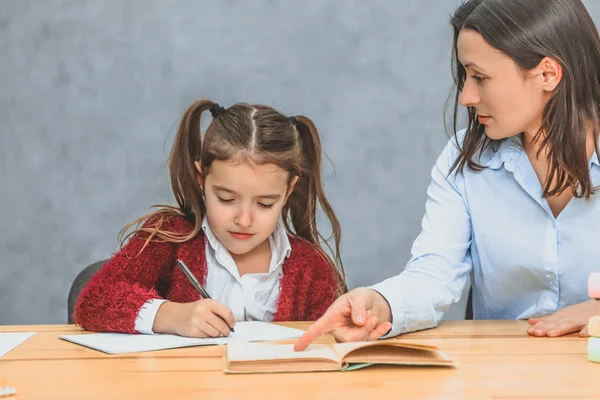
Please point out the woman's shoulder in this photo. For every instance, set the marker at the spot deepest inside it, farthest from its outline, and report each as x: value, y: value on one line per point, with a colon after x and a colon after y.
x: 453, y: 147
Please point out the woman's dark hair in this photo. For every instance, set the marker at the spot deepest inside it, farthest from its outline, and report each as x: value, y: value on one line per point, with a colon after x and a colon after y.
x: 527, y: 31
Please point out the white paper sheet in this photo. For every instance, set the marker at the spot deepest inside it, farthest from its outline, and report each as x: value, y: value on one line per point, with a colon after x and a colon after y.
x: 10, y: 340
x: 119, y: 343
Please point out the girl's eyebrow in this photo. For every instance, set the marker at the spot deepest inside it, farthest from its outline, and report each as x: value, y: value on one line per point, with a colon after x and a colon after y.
x: 264, y: 196
x: 223, y: 189
x: 269, y: 196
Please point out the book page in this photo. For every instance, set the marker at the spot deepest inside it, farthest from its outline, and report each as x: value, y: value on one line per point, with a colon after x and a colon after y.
x: 344, y: 348
x: 392, y: 352
x: 240, y: 352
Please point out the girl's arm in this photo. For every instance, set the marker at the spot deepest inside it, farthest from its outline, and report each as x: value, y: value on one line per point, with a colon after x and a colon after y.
x: 111, y: 300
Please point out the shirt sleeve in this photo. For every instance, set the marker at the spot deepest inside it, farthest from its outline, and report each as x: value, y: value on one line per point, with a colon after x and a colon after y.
x: 146, y: 316
x: 440, y: 263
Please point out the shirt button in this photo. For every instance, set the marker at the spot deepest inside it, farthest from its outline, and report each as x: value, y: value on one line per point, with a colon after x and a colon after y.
x: 552, y: 276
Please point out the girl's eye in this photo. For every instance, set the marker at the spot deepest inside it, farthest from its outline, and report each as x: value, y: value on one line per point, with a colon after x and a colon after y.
x: 229, y: 201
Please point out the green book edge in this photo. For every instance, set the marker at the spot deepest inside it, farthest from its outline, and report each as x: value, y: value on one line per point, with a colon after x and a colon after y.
x: 355, y: 366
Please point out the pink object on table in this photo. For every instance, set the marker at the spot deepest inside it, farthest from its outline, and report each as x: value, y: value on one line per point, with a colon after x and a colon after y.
x: 594, y: 285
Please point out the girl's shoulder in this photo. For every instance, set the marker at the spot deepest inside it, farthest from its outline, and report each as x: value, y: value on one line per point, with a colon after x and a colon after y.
x: 162, y: 230
x: 172, y: 223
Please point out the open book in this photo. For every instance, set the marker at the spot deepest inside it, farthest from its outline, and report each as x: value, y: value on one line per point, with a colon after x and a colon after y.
x: 247, y: 358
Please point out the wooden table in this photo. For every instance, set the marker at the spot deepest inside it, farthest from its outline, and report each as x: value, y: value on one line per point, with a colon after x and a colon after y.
x: 497, y: 360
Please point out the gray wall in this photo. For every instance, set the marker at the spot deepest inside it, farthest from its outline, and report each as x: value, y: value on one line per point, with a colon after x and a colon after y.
x: 91, y: 92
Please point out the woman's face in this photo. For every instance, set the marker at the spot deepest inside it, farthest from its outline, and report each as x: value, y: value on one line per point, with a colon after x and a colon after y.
x: 508, y: 101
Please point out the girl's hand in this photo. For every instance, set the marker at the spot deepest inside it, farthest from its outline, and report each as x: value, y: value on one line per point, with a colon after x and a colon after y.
x: 202, y: 318
x: 570, y: 319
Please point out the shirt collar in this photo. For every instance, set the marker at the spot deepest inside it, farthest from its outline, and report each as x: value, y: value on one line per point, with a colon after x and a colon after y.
x: 509, y: 152
x: 279, y: 242
x: 594, y: 160
x: 506, y: 154
x: 210, y: 235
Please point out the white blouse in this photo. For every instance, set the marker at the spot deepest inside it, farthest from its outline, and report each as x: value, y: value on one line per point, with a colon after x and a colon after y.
x: 252, y: 297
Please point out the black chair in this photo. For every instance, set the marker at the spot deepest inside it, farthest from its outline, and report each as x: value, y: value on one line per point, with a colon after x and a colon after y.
x: 79, y: 283
x: 469, y: 311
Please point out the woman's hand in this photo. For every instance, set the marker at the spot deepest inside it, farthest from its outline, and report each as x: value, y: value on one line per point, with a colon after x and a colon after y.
x: 359, y: 315
x: 570, y: 319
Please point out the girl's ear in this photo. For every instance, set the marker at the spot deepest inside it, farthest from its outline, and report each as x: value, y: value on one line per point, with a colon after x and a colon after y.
x: 291, y: 188
x: 199, y: 176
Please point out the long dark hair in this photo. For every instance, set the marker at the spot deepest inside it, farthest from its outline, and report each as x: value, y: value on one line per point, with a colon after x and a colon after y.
x: 527, y: 31
x: 260, y: 135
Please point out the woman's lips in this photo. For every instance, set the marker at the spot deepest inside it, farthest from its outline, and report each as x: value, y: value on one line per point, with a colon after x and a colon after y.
x: 483, y: 119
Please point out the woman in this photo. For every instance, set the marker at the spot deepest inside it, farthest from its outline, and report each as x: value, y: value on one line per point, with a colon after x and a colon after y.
x: 512, y: 199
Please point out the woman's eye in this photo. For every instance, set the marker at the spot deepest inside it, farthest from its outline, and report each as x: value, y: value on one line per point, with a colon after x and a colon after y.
x: 478, y: 79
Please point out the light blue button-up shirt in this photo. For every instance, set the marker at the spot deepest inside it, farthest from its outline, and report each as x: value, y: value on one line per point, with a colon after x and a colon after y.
x: 494, y: 226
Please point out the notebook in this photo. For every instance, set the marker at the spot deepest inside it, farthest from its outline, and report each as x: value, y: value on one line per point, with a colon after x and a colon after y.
x: 10, y: 340
x: 240, y: 358
x: 120, y: 343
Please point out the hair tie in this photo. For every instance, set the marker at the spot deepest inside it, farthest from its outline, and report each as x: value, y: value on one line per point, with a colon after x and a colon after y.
x: 216, y: 110
x: 293, y: 120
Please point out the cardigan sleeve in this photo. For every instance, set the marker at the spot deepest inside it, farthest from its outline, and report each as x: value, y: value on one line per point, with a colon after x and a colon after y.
x: 111, y: 300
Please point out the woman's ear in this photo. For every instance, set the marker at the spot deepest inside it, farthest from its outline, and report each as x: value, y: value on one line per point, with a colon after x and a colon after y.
x: 291, y: 187
x: 550, y: 72
x: 199, y: 176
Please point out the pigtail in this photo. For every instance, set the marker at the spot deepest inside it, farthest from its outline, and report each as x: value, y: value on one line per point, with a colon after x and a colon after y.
x: 186, y: 150
x: 309, y: 194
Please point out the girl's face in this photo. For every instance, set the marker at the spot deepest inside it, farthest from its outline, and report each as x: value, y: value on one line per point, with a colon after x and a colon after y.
x: 244, y: 202
x: 508, y: 101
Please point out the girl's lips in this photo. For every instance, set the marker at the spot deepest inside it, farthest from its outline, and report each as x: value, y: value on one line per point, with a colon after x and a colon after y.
x: 241, y: 236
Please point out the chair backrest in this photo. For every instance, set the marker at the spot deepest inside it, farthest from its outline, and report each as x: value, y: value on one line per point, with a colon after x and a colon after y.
x: 469, y: 310
x: 79, y: 283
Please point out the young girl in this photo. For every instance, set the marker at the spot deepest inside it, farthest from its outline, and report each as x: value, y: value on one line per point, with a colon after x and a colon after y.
x: 513, y: 199
x: 245, y: 226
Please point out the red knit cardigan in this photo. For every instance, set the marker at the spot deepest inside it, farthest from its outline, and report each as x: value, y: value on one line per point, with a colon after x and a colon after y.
x: 112, y: 298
